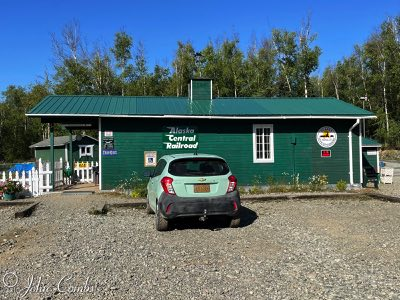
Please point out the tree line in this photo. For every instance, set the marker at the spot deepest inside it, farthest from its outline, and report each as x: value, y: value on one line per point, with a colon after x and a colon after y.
x: 281, y: 65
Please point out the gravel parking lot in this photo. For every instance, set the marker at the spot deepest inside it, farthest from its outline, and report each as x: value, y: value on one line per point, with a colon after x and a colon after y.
x: 298, y: 249
x: 394, y: 188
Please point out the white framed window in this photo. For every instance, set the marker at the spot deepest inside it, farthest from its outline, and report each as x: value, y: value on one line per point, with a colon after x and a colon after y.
x: 263, y: 143
x: 85, y: 150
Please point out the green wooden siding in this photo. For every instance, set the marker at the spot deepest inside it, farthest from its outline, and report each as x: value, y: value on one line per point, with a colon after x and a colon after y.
x: 59, y: 151
x: 44, y: 153
x: 370, y: 160
x: 232, y: 139
x: 201, y: 89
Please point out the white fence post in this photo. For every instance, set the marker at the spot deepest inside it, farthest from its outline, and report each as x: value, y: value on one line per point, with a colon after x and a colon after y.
x: 84, y: 170
x: 35, y: 182
x: 29, y: 180
x: 59, y: 173
x: 38, y: 180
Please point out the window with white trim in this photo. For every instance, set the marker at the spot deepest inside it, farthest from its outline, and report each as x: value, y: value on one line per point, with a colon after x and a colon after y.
x: 85, y: 150
x: 263, y: 143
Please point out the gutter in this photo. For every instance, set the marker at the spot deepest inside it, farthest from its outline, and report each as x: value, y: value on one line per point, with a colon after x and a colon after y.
x: 247, y: 117
x: 351, y: 151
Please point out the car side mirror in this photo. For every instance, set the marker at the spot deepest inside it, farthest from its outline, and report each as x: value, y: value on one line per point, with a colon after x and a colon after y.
x: 148, y: 173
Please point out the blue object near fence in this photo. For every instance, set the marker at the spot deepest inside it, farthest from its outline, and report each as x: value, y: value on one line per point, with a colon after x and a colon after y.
x: 22, y: 167
x: 381, y: 164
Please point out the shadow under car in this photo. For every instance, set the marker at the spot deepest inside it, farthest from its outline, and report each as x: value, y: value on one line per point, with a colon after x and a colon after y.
x: 247, y: 217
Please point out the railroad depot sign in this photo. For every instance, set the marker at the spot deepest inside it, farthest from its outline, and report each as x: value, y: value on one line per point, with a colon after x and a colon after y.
x: 326, y: 137
x: 180, y: 137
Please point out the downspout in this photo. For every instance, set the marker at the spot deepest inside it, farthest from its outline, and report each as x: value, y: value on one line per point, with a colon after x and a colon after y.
x: 360, y: 136
x: 351, y: 151
x: 378, y: 167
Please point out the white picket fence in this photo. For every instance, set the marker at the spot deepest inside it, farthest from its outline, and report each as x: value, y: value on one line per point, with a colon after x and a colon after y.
x: 38, y: 181
x: 84, y: 170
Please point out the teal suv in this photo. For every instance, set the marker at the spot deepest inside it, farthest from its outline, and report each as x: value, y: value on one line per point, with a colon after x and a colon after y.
x: 190, y: 185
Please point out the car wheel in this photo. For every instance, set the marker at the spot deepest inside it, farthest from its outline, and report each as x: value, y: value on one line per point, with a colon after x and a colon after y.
x: 149, y: 211
x: 234, y: 223
x: 161, y: 223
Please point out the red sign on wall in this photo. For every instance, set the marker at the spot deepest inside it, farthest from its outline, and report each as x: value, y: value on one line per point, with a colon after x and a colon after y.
x: 326, y: 153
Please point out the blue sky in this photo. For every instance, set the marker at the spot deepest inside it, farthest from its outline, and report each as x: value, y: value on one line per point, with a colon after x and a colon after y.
x: 26, y: 27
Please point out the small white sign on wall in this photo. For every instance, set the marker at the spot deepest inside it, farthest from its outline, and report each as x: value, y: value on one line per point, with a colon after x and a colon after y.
x: 108, y: 133
x: 371, y: 152
x: 150, y: 158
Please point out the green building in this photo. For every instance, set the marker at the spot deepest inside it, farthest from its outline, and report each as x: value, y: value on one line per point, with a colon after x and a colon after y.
x: 84, y: 148
x: 370, y: 151
x: 263, y: 137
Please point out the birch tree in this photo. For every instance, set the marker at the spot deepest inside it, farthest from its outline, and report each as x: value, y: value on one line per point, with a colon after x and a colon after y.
x: 286, y: 52
x: 232, y: 67
x: 184, y: 66
x: 122, y: 54
x: 308, y: 56
x: 140, y: 70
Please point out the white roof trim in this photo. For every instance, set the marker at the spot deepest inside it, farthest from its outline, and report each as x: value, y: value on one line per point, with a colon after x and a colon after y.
x: 206, y: 117
x: 371, y: 146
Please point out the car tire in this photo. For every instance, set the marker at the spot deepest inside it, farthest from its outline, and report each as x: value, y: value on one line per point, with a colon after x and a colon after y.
x: 161, y: 223
x: 234, y: 223
x: 149, y: 211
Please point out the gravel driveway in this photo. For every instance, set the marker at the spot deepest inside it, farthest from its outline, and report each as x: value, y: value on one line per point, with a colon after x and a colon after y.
x: 298, y: 249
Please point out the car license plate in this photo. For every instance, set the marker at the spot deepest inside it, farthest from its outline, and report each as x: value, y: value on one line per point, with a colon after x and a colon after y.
x: 202, y: 188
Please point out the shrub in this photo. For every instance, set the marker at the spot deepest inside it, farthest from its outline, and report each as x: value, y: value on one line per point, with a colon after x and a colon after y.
x: 318, y: 182
x: 242, y: 191
x: 293, y: 184
x: 256, y: 186
x: 135, y: 186
x: 256, y: 190
x: 276, y: 187
x: 341, y: 185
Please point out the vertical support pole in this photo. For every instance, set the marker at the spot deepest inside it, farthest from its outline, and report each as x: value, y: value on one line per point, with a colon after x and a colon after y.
x: 360, y: 153
x: 71, y: 161
x: 293, y: 142
x: 100, y: 155
x: 52, y: 155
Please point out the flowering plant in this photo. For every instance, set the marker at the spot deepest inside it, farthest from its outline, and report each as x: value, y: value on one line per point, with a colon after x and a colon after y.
x: 318, y: 182
x: 10, y: 187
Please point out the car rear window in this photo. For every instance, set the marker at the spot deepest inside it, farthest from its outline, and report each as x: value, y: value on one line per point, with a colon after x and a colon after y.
x: 198, y: 167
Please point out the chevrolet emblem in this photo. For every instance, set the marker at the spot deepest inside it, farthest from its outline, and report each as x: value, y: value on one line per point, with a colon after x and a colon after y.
x: 202, y: 179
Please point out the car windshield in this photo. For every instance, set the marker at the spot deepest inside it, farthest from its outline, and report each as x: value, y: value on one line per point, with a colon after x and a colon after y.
x: 198, y: 167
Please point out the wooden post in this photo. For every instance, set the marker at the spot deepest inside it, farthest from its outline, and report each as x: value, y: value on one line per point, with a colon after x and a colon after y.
x: 71, y: 161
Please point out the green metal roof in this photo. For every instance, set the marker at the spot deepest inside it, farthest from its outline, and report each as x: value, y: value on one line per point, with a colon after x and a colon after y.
x: 113, y: 106
x: 367, y: 142
x: 58, y: 141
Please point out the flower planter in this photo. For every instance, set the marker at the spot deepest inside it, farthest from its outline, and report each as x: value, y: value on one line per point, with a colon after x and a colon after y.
x: 9, y: 197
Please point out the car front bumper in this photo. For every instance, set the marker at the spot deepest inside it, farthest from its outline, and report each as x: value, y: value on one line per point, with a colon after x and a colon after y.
x: 172, y: 206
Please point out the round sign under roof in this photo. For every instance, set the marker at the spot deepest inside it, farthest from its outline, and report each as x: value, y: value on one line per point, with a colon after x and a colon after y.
x: 326, y: 137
